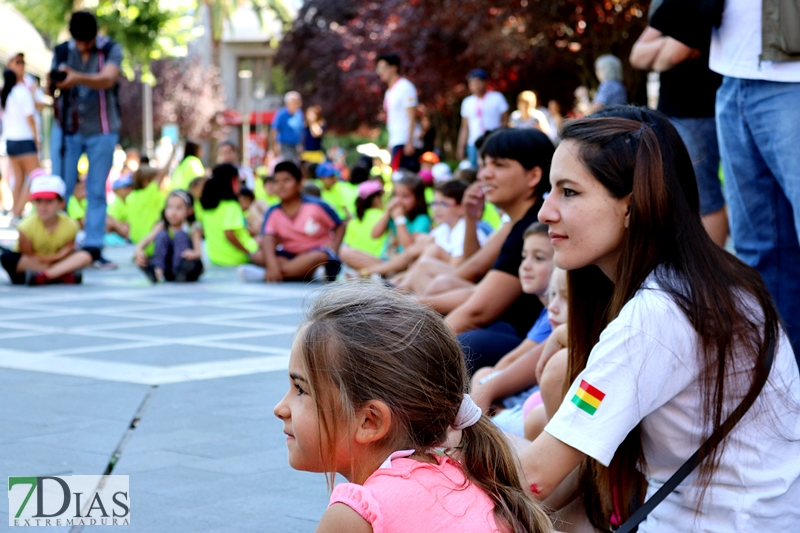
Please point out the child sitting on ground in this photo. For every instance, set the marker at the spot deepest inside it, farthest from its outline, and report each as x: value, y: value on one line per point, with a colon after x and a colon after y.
x: 299, y: 235
x: 227, y: 241
x: 338, y: 194
x: 144, y: 204
x: 511, y: 387
x: 447, y: 241
x: 76, y: 206
x: 117, y: 211
x: 178, y: 241
x: 353, y: 409
x: 369, y: 208
x: 46, y: 248
x: 254, y: 210
x: 404, y: 220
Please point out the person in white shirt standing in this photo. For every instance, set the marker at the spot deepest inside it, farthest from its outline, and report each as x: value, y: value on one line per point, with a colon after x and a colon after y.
x: 400, y: 105
x: 19, y: 130
x: 482, y: 111
x: 757, y: 123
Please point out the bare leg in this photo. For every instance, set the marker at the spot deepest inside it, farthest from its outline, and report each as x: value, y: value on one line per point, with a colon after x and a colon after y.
x: 397, y: 263
x: 535, y: 422
x: 716, y: 225
x: 444, y: 303
x: 71, y: 263
x: 444, y: 283
x: 27, y: 262
x: 423, y: 272
x: 358, y: 259
x: 302, y: 266
x: 22, y: 166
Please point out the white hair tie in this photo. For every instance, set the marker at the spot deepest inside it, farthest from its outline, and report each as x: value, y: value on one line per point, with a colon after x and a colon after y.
x: 468, y: 414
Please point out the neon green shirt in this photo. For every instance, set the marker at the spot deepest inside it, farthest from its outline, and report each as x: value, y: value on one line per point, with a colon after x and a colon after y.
x: 341, y: 197
x: 227, y: 216
x: 188, y: 169
x: 143, y: 211
x: 358, y: 233
x: 118, y: 209
x: 76, y: 209
x: 491, y: 216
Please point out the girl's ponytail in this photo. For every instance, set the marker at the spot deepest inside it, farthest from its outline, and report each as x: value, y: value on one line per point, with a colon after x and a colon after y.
x: 488, y: 461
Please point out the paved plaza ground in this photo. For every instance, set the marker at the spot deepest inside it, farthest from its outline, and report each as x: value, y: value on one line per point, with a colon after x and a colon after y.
x: 173, y: 385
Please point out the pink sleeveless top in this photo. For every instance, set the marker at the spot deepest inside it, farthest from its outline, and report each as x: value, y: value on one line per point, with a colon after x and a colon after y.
x: 408, y: 496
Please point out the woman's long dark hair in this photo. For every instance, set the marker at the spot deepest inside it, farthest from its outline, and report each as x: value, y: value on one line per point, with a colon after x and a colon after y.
x: 9, y: 81
x: 637, y: 151
x: 220, y: 186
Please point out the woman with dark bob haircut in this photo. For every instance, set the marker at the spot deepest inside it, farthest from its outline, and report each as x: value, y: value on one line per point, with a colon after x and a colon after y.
x: 667, y: 336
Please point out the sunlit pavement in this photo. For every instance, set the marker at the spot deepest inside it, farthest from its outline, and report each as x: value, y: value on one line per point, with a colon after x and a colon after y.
x: 172, y: 385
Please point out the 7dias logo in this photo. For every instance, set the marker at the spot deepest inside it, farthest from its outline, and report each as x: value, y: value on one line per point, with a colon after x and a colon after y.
x: 69, y: 501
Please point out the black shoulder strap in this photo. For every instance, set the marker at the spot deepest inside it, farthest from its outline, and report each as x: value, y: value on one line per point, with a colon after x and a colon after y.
x: 698, y: 457
x: 61, y: 53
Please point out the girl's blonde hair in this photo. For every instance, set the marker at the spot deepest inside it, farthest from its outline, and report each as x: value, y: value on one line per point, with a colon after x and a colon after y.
x: 360, y: 343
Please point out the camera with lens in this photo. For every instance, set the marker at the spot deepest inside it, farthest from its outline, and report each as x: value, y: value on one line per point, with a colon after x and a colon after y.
x: 56, y: 76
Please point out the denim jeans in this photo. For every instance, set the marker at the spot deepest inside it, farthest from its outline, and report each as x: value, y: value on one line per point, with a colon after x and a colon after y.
x: 700, y: 137
x: 99, y: 149
x: 759, y: 138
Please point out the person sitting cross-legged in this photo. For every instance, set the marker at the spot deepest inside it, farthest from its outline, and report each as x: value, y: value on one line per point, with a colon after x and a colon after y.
x: 299, y: 235
x: 46, y: 251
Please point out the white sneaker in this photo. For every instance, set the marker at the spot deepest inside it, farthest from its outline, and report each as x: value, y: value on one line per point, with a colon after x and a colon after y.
x: 251, y: 273
x: 320, y: 274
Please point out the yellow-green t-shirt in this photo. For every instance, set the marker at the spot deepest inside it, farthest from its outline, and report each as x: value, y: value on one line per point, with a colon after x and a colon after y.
x: 143, y: 211
x: 188, y: 169
x: 118, y: 210
x: 359, y: 233
x: 491, y: 216
x: 341, y: 197
x: 76, y: 209
x: 227, y: 216
x: 44, y: 242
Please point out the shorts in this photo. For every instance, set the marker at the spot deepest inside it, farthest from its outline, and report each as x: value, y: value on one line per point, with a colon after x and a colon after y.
x: 20, y: 148
x: 401, y: 160
x: 313, y: 156
x: 288, y: 255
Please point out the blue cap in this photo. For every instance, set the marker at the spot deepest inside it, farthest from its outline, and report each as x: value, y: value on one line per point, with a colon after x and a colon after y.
x: 124, y: 181
x: 326, y: 170
x: 478, y: 73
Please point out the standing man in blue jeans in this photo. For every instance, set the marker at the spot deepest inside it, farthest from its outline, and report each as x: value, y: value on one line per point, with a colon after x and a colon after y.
x: 757, y: 50
x: 87, y: 112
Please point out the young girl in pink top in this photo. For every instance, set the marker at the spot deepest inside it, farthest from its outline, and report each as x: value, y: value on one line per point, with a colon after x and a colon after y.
x: 377, y: 391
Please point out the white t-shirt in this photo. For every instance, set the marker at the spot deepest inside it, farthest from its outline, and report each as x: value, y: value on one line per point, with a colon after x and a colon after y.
x: 736, y: 46
x: 484, y: 114
x: 644, y: 368
x: 399, y: 97
x: 19, y: 106
x: 451, y: 240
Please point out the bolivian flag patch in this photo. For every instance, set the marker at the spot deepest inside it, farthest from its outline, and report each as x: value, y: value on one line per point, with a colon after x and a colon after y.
x: 588, y: 398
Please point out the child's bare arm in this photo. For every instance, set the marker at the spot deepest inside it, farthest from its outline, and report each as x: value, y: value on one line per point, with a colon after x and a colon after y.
x: 140, y: 257
x: 25, y: 245
x: 197, y: 246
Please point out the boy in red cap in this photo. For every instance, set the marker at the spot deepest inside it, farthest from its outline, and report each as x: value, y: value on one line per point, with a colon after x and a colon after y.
x: 46, y: 249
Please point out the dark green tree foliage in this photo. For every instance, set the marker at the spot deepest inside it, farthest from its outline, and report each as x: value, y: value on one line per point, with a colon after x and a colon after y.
x: 545, y: 45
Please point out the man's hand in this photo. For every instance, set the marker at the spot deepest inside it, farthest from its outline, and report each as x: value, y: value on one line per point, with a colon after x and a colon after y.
x: 460, y: 155
x: 408, y: 149
x: 72, y: 79
x: 474, y: 202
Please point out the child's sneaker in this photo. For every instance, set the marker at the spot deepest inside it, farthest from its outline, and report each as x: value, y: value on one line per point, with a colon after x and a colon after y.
x: 71, y: 278
x: 104, y: 264
x: 33, y: 278
x: 251, y: 273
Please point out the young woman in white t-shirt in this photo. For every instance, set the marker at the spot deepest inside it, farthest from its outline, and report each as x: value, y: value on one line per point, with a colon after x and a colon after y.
x: 19, y: 130
x: 668, y: 333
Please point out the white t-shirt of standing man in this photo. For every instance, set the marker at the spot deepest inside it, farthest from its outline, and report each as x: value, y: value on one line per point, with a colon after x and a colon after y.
x: 400, y: 96
x: 483, y: 113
